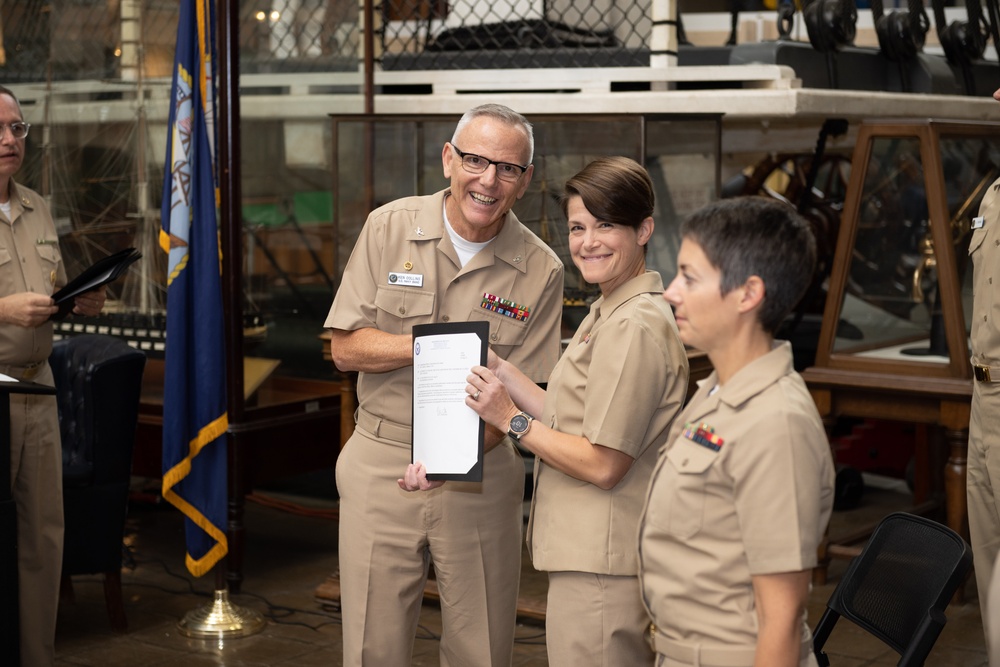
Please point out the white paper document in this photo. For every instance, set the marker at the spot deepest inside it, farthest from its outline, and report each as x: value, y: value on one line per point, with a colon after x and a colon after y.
x: 447, y: 434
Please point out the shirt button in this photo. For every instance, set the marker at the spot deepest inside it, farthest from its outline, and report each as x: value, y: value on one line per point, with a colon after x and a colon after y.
x: 493, y: 337
x: 402, y: 311
x: 445, y: 318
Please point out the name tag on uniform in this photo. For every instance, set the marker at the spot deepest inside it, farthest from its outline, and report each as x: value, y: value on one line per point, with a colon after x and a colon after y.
x: 407, y: 279
x: 978, y: 222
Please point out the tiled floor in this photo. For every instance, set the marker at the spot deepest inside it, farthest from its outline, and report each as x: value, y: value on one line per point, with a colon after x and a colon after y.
x: 289, y: 554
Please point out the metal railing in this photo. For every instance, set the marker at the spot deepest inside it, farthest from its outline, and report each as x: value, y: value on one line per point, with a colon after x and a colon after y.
x: 77, y: 40
x: 93, y: 39
x: 467, y: 34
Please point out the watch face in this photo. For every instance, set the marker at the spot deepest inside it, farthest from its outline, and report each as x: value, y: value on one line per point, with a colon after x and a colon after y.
x: 518, y: 424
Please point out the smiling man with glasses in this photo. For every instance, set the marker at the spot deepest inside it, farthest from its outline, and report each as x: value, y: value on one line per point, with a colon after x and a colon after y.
x: 477, y: 164
x: 31, y: 268
x: 446, y: 257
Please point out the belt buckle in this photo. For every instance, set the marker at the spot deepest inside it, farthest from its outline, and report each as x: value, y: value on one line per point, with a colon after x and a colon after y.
x: 981, y: 372
x: 30, y: 372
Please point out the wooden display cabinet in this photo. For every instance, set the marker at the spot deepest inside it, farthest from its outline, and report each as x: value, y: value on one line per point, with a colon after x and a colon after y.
x: 894, y: 339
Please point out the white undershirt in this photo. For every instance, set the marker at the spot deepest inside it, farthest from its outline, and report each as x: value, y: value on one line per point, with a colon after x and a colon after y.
x: 5, y: 207
x: 466, y: 249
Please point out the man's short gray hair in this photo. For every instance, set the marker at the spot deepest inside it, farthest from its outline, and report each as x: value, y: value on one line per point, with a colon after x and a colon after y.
x: 503, y: 114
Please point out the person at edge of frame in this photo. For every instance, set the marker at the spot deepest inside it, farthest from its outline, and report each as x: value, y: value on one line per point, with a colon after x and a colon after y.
x: 983, y: 472
x: 31, y: 269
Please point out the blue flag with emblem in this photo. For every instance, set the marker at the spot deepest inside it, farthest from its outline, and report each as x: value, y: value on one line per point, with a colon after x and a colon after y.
x: 194, y: 384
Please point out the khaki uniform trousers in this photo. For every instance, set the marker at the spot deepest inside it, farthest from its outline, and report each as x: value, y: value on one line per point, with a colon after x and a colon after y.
x: 36, y: 484
x: 472, y: 532
x: 983, y: 487
x: 664, y: 661
x: 595, y: 619
x: 993, y: 604
x: 670, y: 653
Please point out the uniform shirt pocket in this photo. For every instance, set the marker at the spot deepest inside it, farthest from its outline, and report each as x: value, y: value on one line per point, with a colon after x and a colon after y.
x: 979, y: 268
x: 48, y: 252
x: 399, y: 309
x: 49, y: 259
x: 978, y: 236
x: 691, y: 464
x: 7, y: 281
x: 504, y: 330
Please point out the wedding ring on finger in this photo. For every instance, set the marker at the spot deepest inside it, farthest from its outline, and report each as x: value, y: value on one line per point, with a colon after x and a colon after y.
x: 475, y: 396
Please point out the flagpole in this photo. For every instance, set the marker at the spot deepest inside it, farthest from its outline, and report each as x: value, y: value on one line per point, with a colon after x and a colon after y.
x: 222, y: 619
x: 231, y: 239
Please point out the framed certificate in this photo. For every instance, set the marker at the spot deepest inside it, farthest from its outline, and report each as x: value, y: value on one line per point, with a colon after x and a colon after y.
x: 447, y: 434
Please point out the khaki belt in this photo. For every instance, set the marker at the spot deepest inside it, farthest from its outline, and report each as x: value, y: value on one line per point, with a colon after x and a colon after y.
x: 26, y: 372
x: 383, y: 428
x: 982, y: 373
x: 695, y: 654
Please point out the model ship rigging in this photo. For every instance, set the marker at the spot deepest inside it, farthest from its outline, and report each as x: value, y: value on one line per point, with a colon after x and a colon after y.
x: 96, y: 179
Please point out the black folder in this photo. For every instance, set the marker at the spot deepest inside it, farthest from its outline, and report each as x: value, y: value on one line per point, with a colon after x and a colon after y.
x: 101, y: 272
x: 482, y: 331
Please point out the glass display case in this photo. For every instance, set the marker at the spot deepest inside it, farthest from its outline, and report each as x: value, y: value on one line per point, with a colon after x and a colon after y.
x: 899, y: 292
x: 894, y: 343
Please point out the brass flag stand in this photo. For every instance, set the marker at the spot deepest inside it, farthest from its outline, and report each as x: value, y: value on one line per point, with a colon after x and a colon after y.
x: 221, y: 620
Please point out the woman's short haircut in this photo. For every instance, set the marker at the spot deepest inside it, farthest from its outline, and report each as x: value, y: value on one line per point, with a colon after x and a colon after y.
x: 756, y: 236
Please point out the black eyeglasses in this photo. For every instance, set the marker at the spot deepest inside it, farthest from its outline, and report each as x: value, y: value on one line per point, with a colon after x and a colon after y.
x: 477, y: 164
x: 18, y: 130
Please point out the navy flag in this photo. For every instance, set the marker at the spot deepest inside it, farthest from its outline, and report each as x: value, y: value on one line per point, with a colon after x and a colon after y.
x: 194, y: 386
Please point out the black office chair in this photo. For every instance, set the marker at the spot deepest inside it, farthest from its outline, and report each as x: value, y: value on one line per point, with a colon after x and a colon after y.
x: 898, y: 587
x: 98, y: 380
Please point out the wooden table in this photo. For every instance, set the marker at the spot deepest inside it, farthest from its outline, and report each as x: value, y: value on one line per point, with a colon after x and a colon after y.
x: 944, y: 402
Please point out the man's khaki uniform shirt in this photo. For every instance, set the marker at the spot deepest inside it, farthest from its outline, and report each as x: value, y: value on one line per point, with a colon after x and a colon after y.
x: 404, y: 271
x: 744, y: 487
x: 620, y: 382
x: 30, y: 261
x: 984, y: 248
x: 983, y: 473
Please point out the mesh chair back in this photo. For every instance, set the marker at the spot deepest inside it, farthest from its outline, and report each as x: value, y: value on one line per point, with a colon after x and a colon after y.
x: 899, y: 586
